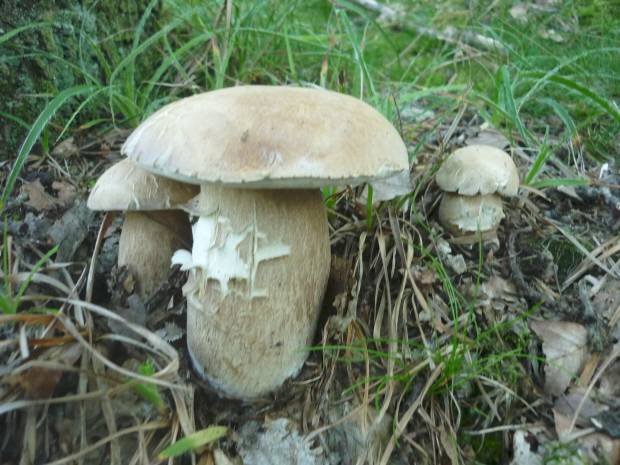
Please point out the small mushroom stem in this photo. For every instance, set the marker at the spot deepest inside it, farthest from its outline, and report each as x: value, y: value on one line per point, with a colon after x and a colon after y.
x: 148, y: 241
x: 258, y: 272
x: 467, y: 214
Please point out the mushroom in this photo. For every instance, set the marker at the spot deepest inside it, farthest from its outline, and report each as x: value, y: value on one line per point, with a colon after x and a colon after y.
x: 154, y: 227
x: 261, y: 257
x: 475, y: 178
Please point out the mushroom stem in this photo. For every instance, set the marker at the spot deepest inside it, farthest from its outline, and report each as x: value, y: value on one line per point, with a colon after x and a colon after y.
x: 467, y: 214
x: 148, y: 241
x: 258, y: 271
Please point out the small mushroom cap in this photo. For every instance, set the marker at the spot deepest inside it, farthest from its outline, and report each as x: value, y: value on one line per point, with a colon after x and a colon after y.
x: 267, y: 136
x: 463, y: 214
x: 127, y: 187
x: 479, y: 169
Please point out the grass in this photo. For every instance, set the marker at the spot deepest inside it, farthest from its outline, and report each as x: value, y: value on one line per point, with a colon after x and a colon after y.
x: 543, y: 94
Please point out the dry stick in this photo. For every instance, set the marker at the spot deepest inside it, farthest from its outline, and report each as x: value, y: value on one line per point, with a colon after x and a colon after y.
x: 587, y: 253
x: 105, y: 224
x: 156, y: 341
x: 595, y: 379
x: 590, y: 319
x: 134, y: 429
x: 584, y: 266
x: 108, y: 413
x: 486, y: 396
x: 517, y: 275
x: 400, y: 427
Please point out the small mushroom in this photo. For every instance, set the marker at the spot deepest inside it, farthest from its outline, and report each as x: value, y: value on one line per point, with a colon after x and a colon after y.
x: 260, y: 260
x: 474, y: 179
x: 154, y: 228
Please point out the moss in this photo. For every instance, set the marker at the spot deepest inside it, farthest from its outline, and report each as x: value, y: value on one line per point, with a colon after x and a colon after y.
x: 36, y: 64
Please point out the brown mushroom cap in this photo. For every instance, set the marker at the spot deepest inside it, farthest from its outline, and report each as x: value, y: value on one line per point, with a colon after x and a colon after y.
x: 266, y: 136
x: 479, y: 169
x: 127, y: 187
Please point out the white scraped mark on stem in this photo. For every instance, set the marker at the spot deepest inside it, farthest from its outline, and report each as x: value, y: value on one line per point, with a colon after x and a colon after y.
x: 215, y: 252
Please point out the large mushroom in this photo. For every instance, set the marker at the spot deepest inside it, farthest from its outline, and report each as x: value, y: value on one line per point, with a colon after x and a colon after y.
x: 154, y: 228
x: 475, y: 178
x: 260, y: 260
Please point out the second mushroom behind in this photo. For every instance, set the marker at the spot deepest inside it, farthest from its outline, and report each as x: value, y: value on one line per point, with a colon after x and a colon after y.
x: 154, y: 226
x: 260, y: 260
x: 474, y: 179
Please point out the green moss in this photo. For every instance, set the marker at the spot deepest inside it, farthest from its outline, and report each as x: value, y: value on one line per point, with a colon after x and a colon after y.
x: 39, y: 62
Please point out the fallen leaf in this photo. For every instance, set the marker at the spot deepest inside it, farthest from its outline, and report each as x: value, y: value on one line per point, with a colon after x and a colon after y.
x: 489, y: 137
x: 519, y: 12
x: 594, y: 446
x: 608, y: 422
x: 568, y: 405
x: 170, y: 332
x: 39, y: 382
x: 65, y: 192
x: 526, y: 449
x: 276, y: 442
x: 135, y: 313
x: 71, y: 230
x: 37, y: 197
x: 66, y: 148
x: 565, y: 347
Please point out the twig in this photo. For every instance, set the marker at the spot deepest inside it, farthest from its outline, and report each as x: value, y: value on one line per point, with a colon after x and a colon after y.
x: 590, y: 319
x: 517, y: 275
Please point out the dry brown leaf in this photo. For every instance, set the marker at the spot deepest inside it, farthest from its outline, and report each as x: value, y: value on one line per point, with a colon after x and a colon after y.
x: 71, y: 230
x: 38, y: 382
x: 489, y: 137
x: 594, y: 446
x: 66, y: 148
x: 41, y: 200
x: 65, y: 192
x: 568, y: 405
x: 37, y: 197
x: 565, y: 347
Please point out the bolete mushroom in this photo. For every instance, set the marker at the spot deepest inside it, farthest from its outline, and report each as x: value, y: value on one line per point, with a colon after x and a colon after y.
x: 154, y: 228
x: 475, y: 178
x: 261, y: 255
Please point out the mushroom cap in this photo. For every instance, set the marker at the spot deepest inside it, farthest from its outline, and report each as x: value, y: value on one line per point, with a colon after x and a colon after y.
x: 267, y: 136
x: 479, y: 169
x: 127, y: 187
x: 463, y: 214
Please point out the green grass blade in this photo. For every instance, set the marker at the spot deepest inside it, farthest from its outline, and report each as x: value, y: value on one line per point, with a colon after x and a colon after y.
x: 560, y: 182
x: 541, y: 159
x: 38, y: 127
x: 511, y: 106
x: 173, y: 58
x: 198, y: 439
x: 19, y: 121
x: 562, y: 114
x: 359, y: 56
x: 360, y: 11
x: 8, y: 35
x: 584, y: 91
x: 26, y: 282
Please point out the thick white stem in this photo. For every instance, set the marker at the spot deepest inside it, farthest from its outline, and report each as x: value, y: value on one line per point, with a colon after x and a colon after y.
x: 258, y: 271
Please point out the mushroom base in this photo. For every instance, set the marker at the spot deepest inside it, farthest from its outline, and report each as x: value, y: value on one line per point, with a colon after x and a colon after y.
x: 467, y: 214
x: 258, y: 272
